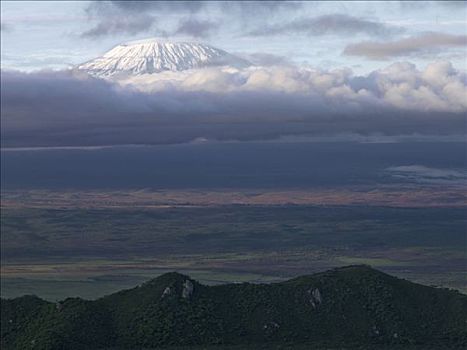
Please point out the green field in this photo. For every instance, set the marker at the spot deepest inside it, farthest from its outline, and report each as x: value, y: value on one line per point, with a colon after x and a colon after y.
x: 56, y: 253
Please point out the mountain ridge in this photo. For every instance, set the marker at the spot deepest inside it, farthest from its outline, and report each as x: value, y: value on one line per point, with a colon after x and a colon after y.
x: 354, y: 306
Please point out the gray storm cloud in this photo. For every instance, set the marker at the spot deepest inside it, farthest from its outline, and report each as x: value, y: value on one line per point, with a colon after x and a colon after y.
x: 328, y: 24
x: 120, y: 24
x: 454, y: 5
x: 196, y: 28
x: 161, y: 6
x: 252, y: 18
x: 267, y: 59
x: 65, y: 109
x: 406, y: 46
x: 133, y: 17
x: 5, y: 27
x: 240, y: 8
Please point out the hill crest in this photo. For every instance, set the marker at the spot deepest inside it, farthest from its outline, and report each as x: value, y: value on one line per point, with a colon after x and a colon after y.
x: 354, y: 305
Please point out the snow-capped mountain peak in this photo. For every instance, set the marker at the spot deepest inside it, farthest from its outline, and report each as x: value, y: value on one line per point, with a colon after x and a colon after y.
x: 154, y: 55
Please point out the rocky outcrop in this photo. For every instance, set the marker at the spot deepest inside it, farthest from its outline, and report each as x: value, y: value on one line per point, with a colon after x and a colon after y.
x: 167, y: 291
x: 315, y: 297
x: 271, y: 328
x: 187, y: 291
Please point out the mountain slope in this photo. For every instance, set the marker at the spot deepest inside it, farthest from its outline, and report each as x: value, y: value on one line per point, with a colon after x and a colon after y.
x: 153, y: 56
x: 353, y: 306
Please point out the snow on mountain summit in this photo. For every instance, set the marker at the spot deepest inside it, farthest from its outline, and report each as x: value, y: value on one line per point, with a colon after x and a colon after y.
x: 153, y: 56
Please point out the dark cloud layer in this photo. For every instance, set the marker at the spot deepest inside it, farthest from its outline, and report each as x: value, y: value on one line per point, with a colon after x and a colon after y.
x: 268, y: 59
x: 59, y: 109
x: 454, y: 5
x: 133, y: 17
x: 4, y: 27
x: 196, y: 28
x: 121, y: 24
x: 110, y: 20
x: 328, y: 24
x: 139, y: 6
x: 406, y: 46
x: 244, y: 8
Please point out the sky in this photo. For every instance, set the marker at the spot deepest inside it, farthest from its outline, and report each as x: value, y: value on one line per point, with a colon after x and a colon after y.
x: 59, y: 34
x: 340, y: 70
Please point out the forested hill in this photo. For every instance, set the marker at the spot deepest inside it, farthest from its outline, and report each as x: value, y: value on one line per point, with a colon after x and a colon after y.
x: 354, y: 306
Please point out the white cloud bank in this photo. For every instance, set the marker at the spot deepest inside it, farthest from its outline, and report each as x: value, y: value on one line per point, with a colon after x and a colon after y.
x: 65, y: 108
x: 437, y: 88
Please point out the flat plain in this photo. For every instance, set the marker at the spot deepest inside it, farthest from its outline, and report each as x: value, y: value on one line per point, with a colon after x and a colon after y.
x: 93, y: 251
x: 111, y: 218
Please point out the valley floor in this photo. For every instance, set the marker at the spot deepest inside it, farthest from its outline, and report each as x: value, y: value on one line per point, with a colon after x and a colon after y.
x: 56, y: 252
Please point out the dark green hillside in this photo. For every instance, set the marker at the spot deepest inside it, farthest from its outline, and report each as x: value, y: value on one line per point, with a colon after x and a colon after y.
x: 354, y: 306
